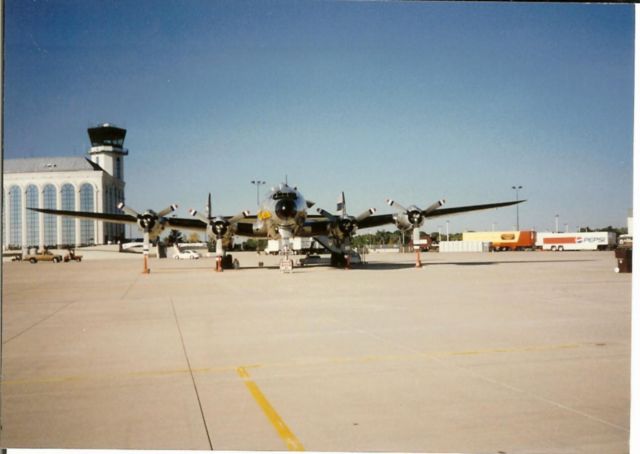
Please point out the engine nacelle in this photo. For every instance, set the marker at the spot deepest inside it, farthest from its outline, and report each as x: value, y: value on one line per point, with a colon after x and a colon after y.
x: 402, y: 221
x: 151, y: 222
x: 343, y: 227
x: 412, y: 218
x: 218, y: 227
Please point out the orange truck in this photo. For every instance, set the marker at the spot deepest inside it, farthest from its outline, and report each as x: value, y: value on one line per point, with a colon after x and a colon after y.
x: 504, y: 241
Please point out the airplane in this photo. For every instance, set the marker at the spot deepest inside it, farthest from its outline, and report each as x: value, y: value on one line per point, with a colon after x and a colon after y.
x: 281, y: 215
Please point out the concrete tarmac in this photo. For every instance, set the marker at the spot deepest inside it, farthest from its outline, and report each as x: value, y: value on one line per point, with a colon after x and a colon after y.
x: 523, y: 352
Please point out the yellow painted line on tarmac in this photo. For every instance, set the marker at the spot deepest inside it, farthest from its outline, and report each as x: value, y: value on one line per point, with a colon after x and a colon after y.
x: 299, y: 363
x: 274, y: 418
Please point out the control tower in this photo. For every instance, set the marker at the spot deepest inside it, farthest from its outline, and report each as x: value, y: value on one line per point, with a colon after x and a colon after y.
x: 107, y: 148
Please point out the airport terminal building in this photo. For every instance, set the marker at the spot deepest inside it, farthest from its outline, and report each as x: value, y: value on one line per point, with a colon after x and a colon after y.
x: 93, y: 183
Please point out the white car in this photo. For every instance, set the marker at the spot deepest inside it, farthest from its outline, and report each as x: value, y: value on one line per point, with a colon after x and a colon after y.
x: 187, y: 254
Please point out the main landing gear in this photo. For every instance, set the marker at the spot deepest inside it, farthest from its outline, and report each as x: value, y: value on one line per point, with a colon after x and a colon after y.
x: 339, y: 260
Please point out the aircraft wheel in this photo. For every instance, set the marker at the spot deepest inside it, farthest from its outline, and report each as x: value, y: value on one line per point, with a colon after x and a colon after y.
x: 337, y: 260
x: 32, y: 260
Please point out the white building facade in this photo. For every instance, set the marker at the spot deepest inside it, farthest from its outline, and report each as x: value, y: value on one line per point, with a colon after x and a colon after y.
x: 94, y: 184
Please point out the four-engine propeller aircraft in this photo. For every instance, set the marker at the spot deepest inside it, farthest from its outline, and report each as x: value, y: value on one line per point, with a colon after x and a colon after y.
x: 281, y: 215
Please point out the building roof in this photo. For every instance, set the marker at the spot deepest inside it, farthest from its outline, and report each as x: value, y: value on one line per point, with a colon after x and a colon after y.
x: 49, y: 164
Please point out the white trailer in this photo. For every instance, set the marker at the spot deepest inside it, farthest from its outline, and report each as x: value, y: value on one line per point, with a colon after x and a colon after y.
x: 298, y: 245
x: 577, y: 241
x: 464, y: 246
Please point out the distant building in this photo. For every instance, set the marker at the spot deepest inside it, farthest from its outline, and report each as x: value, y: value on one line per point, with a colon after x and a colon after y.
x: 94, y: 183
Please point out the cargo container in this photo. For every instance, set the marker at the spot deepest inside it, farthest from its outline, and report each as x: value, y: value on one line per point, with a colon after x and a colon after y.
x: 576, y: 241
x: 504, y: 241
x: 464, y: 246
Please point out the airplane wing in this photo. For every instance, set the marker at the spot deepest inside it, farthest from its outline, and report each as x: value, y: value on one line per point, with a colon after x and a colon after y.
x: 107, y: 217
x: 457, y: 210
x: 176, y: 223
x: 382, y: 219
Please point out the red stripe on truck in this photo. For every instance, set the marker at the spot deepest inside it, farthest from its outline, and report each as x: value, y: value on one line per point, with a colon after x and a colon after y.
x: 560, y: 240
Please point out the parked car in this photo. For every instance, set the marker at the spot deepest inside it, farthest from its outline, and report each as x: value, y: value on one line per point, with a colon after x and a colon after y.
x: 45, y: 256
x: 187, y: 254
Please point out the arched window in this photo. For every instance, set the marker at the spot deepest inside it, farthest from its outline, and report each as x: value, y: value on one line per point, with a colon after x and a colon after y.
x: 108, y: 227
x: 15, y: 214
x: 68, y: 224
x: 5, y: 241
x: 33, y: 226
x: 86, y: 204
x: 50, y: 223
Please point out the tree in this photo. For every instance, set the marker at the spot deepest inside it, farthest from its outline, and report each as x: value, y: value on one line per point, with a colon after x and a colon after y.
x: 193, y: 238
x: 250, y: 245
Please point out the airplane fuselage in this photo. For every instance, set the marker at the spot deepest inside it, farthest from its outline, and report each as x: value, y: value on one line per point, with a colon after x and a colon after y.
x: 283, y: 211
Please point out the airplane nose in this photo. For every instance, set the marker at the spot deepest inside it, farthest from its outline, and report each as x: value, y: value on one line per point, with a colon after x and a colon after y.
x: 285, y: 209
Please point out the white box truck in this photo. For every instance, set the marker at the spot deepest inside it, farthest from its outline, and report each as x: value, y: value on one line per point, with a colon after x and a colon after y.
x: 580, y: 241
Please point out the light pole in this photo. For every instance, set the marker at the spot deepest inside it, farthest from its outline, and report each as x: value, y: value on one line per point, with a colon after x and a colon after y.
x: 258, y: 183
x: 517, y: 207
x: 447, y: 230
x: 439, y: 233
x: 557, y: 216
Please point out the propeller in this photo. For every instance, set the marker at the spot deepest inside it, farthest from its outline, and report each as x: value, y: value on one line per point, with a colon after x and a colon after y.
x: 217, y: 226
x: 343, y: 226
x: 151, y: 223
x: 412, y: 217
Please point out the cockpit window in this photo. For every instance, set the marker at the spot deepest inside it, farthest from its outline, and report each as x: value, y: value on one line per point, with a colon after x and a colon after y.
x: 284, y: 196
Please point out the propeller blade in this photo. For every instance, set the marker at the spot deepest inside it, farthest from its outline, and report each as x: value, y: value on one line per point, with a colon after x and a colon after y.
x: 396, y: 205
x: 145, y: 243
x: 365, y: 214
x: 326, y: 214
x: 167, y: 210
x: 342, y: 205
x: 237, y: 217
x: 219, y: 248
x: 310, y: 203
x: 127, y: 210
x: 416, y: 236
x: 196, y: 214
x: 433, y: 207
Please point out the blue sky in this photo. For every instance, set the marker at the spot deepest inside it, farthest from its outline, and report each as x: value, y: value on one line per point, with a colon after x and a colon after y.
x: 414, y: 101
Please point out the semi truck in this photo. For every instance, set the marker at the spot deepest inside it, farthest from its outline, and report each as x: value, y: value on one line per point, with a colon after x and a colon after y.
x: 576, y: 241
x: 504, y: 241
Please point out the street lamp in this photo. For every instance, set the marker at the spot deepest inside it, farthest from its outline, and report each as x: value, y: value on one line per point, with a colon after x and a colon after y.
x: 447, y: 230
x: 517, y: 207
x: 258, y: 183
x: 557, y: 216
